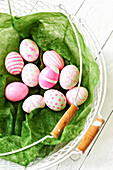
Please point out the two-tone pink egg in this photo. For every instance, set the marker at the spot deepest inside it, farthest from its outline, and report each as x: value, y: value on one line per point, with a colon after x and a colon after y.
x: 29, y: 50
x: 55, y: 100
x: 53, y: 58
x: 30, y: 75
x: 81, y: 97
x: 33, y: 102
x: 69, y: 77
x: 48, y: 77
x: 16, y: 91
x: 14, y: 63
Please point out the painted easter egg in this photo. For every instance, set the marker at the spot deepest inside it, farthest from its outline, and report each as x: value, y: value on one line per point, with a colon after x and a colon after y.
x: 29, y: 50
x: 53, y: 58
x: 69, y: 76
x: 16, y: 91
x: 55, y: 100
x: 33, y: 102
x: 81, y: 97
x: 48, y: 77
x: 14, y: 63
x: 30, y: 75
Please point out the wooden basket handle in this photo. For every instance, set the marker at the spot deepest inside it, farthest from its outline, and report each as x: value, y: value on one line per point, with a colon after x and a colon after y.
x: 90, y: 134
x: 65, y: 119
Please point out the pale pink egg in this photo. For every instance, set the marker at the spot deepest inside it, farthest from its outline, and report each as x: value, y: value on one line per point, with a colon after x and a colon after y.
x: 48, y: 77
x: 33, y: 102
x: 16, y: 91
x: 14, y: 63
x: 81, y: 97
x: 53, y: 58
x: 69, y: 77
x: 30, y: 75
x: 29, y: 50
x: 55, y: 100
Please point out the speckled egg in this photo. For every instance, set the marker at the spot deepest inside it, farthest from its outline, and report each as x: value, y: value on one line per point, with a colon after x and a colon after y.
x: 16, y: 91
x: 69, y: 77
x: 81, y: 97
x: 33, y: 102
x: 29, y: 50
x: 48, y: 77
x: 30, y: 75
x: 14, y: 63
x: 55, y: 100
x: 53, y: 58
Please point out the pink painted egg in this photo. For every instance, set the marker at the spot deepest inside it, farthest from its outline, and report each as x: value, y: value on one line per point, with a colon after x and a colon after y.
x: 14, y: 63
x: 81, y: 97
x: 55, y: 100
x: 29, y: 50
x: 16, y: 91
x: 53, y: 58
x: 33, y: 102
x: 48, y: 77
x: 30, y: 75
x: 69, y: 77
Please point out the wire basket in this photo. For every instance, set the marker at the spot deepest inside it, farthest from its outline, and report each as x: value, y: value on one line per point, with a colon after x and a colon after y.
x: 62, y: 151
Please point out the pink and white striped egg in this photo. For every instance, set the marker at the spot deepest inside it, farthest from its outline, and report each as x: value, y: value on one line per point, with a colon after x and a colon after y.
x: 69, y: 77
x: 14, y: 63
x: 53, y: 58
x: 29, y: 50
x: 30, y: 75
x: 48, y: 77
x: 81, y: 97
x: 33, y: 102
x: 55, y: 100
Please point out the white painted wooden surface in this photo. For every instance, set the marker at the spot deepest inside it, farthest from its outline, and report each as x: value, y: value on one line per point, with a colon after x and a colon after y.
x: 99, y: 16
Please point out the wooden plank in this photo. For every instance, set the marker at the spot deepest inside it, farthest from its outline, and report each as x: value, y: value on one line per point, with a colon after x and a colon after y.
x: 99, y: 16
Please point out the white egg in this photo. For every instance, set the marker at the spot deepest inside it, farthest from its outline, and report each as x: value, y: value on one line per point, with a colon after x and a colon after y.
x: 69, y: 77
x: 81, y: 97
x: 53, y: 58
x: 30, y: 75
x: 29, y: 50
x: 55, y: 100
x: 32, y: 102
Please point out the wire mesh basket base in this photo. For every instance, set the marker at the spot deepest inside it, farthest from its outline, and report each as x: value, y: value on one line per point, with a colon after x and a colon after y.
x: 61, y: 151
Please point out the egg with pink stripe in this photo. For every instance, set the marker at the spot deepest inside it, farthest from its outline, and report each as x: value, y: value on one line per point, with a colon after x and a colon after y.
x: 48, y: 77
x: 69, y: 77
x: 29, y: 50
x: 55, y: 100
x: 53, y: 58
x: 14, y: 63
x: 30, y: 75
x: 33, y: 102
x: 81, y: 97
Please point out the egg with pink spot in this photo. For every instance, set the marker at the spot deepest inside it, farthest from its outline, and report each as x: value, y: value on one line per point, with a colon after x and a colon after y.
x: 55, y: 100
x: 48, y: 77
x: 69, y: 77
x: 33, y: 102
x: 29, y: 50
x: 53, y: 58
x: 16, y: 91
x: 30, y: 75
